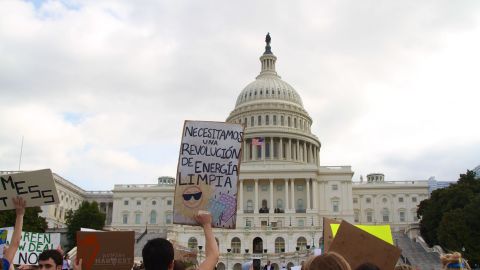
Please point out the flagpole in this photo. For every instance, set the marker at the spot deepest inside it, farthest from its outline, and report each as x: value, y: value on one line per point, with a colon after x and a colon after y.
x: 21, y: 152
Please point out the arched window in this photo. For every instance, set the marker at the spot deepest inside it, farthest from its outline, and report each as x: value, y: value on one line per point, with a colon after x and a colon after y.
x: 267, y: 120
x: 153, y: 217
x: 236, y: 245
x: 221, y: 265
x: 237, y: 266
x: 192, y: 242
x: 302, y: 243
x: 259, y: 120
x: 279, y: 245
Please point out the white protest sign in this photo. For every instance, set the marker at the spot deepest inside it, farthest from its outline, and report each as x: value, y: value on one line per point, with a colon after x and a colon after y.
x: 207, y: 174
x: 36, y: 187
x: 32, y: 244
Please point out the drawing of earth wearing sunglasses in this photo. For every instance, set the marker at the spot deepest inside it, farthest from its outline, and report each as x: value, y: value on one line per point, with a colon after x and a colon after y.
x: 192, y: 197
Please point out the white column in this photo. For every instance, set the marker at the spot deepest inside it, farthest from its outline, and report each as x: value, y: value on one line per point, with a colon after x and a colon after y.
x: 307, y: 181
x: 245, y: 149
x: 254, y: 151
x: 298, y: 151
x: 263, y: 148
x: 304, y: 151
x: 255, y: 210
x: 240, y: 208
x: 314, y: 194
x: 271, y: 147
x: 271, y: 195
x: 280, y: 151
x: 292, y: 185
x: 285, y: 207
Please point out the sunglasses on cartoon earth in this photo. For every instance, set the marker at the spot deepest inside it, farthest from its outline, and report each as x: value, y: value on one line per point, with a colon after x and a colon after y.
x: 196, y: 196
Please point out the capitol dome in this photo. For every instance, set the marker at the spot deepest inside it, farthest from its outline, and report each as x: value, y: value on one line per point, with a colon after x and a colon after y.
x: 277, y: 126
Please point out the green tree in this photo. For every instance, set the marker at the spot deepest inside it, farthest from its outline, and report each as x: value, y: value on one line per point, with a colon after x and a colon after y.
x: 87, y: 215
x: 451, y: 217
x: 32, y: 221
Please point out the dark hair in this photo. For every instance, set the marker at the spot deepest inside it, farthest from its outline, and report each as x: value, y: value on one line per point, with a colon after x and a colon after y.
x: 367, y: 266
x: 51, y: 253
x: 157, y: 254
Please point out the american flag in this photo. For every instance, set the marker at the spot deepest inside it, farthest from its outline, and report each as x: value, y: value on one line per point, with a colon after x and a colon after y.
x: 257, y: 141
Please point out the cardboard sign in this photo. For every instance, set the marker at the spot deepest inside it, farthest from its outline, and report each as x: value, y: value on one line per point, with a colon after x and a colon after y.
x: 36, y: 187
x: 381, y: 231
x: 106, y: 250
x: 327, y: 232
x: 207, y: 172
x: 358, y: 247
x: 32, y: 244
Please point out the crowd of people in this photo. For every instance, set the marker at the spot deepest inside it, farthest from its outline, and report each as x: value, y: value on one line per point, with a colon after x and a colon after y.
x: 158, y: 254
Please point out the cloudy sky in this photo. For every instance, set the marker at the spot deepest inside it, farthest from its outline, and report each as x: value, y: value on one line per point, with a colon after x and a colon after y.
x: 99, y: 89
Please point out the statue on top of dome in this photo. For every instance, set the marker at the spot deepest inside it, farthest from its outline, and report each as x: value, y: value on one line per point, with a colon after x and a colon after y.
x: 268, y: 39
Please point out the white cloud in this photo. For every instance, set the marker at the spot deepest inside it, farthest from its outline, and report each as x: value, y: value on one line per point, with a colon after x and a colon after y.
x: 100, y: 89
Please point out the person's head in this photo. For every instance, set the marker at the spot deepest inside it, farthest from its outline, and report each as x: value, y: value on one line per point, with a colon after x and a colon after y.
x: 268, y: 262
x: 158, y: 255
x: 50, y: 259
x: 327, y: 261
x: 367, y: 266
x: 66, y: 257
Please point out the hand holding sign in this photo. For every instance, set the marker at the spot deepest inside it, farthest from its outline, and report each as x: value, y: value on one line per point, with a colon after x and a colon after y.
x: 204, y: 218
x: 20, y: 205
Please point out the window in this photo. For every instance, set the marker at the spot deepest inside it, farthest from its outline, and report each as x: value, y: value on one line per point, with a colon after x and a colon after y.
x: 385, y: 215
x: 357, y: 216
x: 355, y: 200
x: 169, y: 202
x: 402, y: 216
x: 274, y: 120
x: 400, y: 199
x: 334, y: 187
x: 280, y: 203
x: 267, y: 120
x: 301, y: 222
x: 236, y: 245
x: 249, y: 205
x: 267, y: 150
x: 369, y: 216
x: 192, y: 242
x: 264, y: 188
x: 139, y: 202
x: 300, y: 188
x: 125, y: 218
x: 153, y: 217
x: 288, y: 121
x: 414, y: 214
x: 248, y: 223
x: 300, y: 204
x: 368, y: 200
x: 252, y: 121
x: 302, y: 243
x: 279, y: 245
x: 384, y: 200
x: 168, y: 218
x: 281, y: 120
x: 295, y: 122
x: 279, y: 187
x: 154, y: 202
x: 259, y: 121
x: 414, y: 199
x: 138, y: 217
x: 249, y: 188
x: 125, y: 202
x: 335, y: 206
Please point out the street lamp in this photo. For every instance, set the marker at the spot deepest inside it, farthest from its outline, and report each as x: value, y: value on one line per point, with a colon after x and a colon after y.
x: 228, y: 253
x: 265, y: 252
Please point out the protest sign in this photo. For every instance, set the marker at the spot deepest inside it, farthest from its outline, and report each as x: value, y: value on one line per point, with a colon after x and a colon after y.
x: 36, y: 187
x: 32, y: 244
x: 207, y: 172
x: 381, y: 231
x: 358, y: 246
x: 327, y: 232
x: 106, y: 250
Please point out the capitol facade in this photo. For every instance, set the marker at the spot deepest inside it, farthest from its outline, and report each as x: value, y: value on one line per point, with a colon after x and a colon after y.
x: 284, y: 191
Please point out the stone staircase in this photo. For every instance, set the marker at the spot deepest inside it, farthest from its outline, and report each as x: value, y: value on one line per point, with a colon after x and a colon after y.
x: 415, y: 254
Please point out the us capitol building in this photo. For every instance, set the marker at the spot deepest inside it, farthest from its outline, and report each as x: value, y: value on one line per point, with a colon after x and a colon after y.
x: 284, y: 192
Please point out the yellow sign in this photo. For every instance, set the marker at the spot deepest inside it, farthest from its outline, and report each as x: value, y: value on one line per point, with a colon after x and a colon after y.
x: 381, y: 231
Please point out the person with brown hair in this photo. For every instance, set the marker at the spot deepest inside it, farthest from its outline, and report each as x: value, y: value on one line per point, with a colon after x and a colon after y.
x: 454, y: 261
x: 327, y: 261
